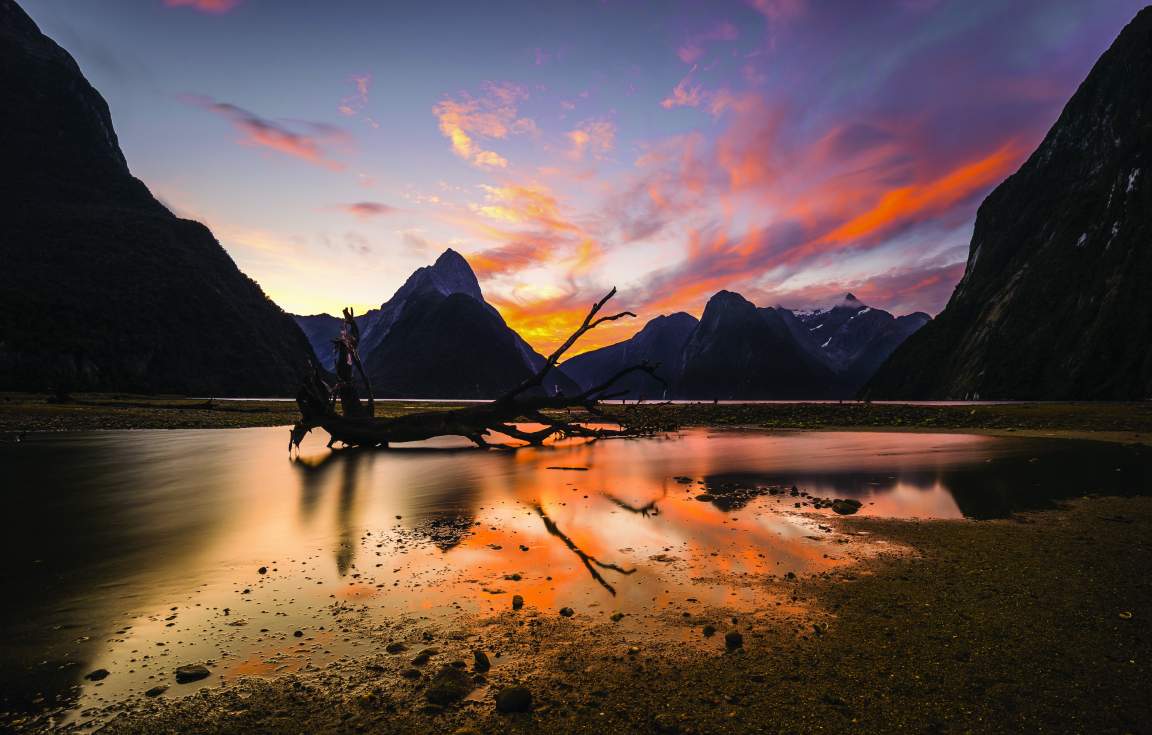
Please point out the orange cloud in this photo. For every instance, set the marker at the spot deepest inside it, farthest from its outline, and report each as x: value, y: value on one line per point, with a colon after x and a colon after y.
x: 493, y: 116
x: 907, y: 204
x: 684, y: 94
x: 205, y: 6
x: 592, y: 137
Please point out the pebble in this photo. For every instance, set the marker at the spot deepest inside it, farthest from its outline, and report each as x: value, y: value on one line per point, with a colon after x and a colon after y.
x: 733, y: 640
x: 517, y: 602
x: 97, y: 675
x: 567, y: 612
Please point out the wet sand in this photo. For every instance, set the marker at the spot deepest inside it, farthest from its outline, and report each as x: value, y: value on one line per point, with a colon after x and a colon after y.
x: 1033, y: 624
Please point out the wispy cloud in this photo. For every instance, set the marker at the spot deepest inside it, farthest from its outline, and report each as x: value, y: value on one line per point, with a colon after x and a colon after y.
x: 309, y: 141
x: 215, y: 7
x: 693, y: 48
x: 353, y: 105
x: 367, y: 210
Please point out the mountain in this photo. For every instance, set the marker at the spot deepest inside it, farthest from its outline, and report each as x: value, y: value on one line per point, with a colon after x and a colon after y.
x: 102, y: 288
x: 1054, y: 302
x: 661, y: 342
x: 437, y: 338
x: 852, y: 338
x: 740, y: 351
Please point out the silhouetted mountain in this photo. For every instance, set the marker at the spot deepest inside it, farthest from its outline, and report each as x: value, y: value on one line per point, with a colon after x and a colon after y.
x: 661, y: 341
x: 437, y: 338
x: 852, y: 338
x: 739, y: 351
x: 1054, y: 302
x: 101, y: 287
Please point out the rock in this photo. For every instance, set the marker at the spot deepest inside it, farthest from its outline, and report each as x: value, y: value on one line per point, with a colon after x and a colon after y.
x: 156, y: 691
x: 480, y: 661
x: 395, y: 647
x: 262, y: 570
x: 97, y: 675
x: 513, y: 699
x: 410, y: 674
x: 191, y: 672
x: 423, y: 656
x: 709, y: 631
x: 517, y: 602
x: 705, y: 497
x: 733, y: 640
x: 299, y: 634
x: 666, y: 724
x: 448, y: 685
x: 845, y: 507
x: 617, y: 617
x: 567, y: 612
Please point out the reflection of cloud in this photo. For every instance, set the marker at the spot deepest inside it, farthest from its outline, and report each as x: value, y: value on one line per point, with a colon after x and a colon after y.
x: 309, y: 146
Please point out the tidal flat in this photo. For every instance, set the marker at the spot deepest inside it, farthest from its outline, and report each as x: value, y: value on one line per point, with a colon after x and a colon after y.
x: 725, y: 578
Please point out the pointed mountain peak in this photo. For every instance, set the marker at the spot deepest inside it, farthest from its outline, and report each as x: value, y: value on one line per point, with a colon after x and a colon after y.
x: 850, y: 297
x: 448, y: 275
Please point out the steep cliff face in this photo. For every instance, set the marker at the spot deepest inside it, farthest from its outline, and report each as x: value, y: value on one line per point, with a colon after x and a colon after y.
x: 101, y: 287
x: 1054, y: 302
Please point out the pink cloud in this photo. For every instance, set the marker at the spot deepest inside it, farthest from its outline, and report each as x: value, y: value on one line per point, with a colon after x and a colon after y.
x: 693, y: 48
x: 310, y: 146
x: 367, y: 210
x: 215, y: 7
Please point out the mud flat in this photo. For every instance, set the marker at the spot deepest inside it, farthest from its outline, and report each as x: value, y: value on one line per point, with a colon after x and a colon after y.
x: 1037, y: 623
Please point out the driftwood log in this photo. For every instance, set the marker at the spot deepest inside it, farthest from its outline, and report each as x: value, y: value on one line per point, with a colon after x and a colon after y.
x: 356, y: 426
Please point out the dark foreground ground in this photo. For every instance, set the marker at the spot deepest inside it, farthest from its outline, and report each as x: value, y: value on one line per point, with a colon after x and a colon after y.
x: 1037, y: 624
x: 21, y: 412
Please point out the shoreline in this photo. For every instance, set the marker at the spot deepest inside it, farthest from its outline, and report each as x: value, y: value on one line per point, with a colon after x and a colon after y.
x: 22, y: 414
x: 956, y: 636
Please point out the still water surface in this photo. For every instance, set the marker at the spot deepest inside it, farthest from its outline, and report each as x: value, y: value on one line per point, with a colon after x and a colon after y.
x: 140, y: 551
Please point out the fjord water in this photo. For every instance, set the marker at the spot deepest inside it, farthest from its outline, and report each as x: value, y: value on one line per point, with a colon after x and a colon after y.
x: 140, y: 551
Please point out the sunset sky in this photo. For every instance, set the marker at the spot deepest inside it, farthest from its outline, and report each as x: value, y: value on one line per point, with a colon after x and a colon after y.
x: 790, y: 150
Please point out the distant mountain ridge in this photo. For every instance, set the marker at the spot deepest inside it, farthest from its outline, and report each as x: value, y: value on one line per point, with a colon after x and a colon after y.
x: 1054, y: 302
x: 437, y: 338
x: 740, y: 351
x: 101, y: 287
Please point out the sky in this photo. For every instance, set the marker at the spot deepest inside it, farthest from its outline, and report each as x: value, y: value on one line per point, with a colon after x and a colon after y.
x: 789, y: 150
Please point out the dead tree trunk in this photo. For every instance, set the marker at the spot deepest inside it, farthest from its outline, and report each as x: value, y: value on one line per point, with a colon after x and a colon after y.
x: 521, y: 404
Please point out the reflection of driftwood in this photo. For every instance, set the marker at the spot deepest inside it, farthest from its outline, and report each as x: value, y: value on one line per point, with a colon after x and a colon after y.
x: 590, y: 562
x: 524, y: 403
x: 648, y: 509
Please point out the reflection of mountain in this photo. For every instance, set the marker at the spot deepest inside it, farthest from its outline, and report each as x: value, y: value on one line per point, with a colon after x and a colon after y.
x: 1031, y: 477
